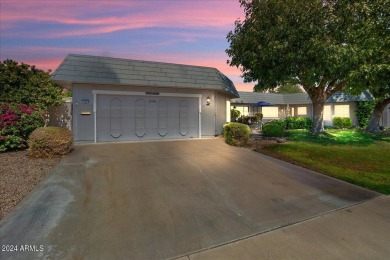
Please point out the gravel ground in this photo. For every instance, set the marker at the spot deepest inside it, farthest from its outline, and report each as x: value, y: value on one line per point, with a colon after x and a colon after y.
x: 19, y: 174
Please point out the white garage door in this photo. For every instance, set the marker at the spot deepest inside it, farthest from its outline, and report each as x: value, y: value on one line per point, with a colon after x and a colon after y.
x: 123, y: 118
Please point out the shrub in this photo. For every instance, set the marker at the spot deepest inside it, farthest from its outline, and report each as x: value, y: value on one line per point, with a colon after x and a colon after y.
x: 259, y: 117
x: 363, y: 112
x: 299, y: 123
x: 281, y: 122
x: 25, y: 84
x: 48, y: 142
x: 236, y: 134
x: 273, y: 128
x: 17, y: 121
x: 247, y: 120
x: 342, y: 122
x: 234, y: 114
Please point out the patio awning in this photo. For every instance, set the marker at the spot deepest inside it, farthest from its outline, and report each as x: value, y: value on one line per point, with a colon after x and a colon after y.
x: 263, y: 104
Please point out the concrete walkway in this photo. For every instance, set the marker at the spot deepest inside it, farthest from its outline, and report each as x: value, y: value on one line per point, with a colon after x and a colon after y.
x: 357, y: 232
x: 161, y: 200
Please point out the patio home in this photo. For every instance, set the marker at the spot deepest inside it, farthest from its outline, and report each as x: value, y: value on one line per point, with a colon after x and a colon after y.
x: 300, y: 105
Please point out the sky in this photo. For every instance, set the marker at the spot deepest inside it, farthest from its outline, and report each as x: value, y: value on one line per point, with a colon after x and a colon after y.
x: 192, y: 32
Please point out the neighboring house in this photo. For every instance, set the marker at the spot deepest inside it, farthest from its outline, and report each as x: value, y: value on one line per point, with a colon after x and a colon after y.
x: 120, y: 99
x: 299, y: 104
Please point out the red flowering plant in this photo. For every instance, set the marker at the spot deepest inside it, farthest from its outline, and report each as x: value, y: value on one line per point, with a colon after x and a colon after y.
x: 17, y: 121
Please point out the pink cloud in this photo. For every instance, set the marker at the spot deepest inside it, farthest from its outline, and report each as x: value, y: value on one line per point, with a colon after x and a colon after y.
x: 128, y: 15
x: 43, y: 63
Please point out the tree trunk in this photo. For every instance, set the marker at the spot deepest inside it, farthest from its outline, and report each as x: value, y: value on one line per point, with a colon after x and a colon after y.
x: 318, y: 95
x: 373, y: 123
x: 318, y: 112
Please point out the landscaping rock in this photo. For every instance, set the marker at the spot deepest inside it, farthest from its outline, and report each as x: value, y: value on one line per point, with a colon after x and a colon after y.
x: 281, y: 140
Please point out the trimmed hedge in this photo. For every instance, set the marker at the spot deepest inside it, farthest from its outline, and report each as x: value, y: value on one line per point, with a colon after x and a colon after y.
x: 48, y: 142
x: 273, y: 129
x: 248, y: 120
x: 298, y: 122
x: 236, y: 134
x: 342, y: 122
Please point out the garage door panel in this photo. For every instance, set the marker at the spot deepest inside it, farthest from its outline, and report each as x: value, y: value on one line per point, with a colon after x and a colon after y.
x: 121, y: 118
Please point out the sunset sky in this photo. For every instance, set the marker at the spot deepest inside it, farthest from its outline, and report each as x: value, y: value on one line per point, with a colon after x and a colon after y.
x: 191, y: 32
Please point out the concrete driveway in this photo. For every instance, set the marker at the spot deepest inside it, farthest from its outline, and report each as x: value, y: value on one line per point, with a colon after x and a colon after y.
x: 157, y: 200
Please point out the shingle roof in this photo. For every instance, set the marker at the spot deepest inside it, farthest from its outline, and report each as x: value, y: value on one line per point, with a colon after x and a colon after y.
x: 105, y: 70
x: 277, y: 99
x: 344, y: 97
x: 297, y: 98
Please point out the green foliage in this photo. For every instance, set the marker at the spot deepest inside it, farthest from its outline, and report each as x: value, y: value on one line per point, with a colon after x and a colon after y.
x: 273, y: 128
x: 68, y: 93
x: 287, y: 89
x: 294, y: 123
x: 248, y: 120
x: 236, y: 134
x: 11, y: 142
x: 234, y: 114
x: 373, y: 38
x: 342, y: 122
x: 16, y: 124
x: 259, y: 117
x: 363, y: 112
x: 25, y: 84
x: 298, y: 122
x: 337, y: 137
x: 324, y: 46
x: 48, y: 142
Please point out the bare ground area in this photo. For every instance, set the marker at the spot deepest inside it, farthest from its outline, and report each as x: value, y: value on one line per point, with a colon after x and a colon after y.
x: 19, y: 174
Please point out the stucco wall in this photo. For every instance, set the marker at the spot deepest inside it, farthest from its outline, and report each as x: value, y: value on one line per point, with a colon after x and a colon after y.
x: 212, y: 118
x: 386, y: 116
x: 309, y: 111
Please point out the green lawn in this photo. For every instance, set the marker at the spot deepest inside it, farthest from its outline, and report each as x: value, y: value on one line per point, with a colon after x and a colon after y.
x: 356, y: 157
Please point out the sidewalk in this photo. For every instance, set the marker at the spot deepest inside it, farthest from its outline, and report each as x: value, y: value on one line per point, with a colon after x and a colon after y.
x: 361, y: 231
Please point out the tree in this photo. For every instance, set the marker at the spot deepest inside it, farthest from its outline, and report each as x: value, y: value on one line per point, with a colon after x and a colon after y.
x: 311, y: 43
x: 287, y: 89
x: 374, y: 73
x: 375, y: 78
x: 25, y: 84
x: 234, y: 115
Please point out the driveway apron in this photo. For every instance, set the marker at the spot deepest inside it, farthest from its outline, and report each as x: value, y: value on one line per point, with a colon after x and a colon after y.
x: 158, y: 200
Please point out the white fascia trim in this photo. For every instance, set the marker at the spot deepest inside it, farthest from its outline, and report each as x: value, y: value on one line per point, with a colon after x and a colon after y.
x: 138, y: 93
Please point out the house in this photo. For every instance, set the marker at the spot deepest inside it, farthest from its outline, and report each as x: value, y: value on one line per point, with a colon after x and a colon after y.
x: 298, y: 104
x: 129, y: 100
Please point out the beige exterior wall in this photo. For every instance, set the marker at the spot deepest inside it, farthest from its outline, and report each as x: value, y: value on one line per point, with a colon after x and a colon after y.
x: 342, y: 109
x: 275, y: 112
x: 222, y: 114
x: 386, y: 116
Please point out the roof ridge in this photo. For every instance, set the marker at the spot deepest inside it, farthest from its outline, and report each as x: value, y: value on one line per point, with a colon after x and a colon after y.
x: 143, y: 61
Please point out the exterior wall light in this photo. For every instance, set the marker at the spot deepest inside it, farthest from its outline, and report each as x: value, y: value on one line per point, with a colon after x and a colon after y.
x: 208, y: 101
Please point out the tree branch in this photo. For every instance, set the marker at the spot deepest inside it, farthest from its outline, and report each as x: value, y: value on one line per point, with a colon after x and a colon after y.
x: 339, y: 87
